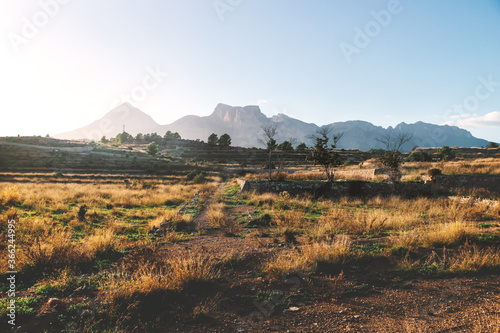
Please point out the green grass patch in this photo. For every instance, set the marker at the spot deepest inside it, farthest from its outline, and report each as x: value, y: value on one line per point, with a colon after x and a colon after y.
x: 486, y: 239
x: 24, y: 306
x: 66, y: 289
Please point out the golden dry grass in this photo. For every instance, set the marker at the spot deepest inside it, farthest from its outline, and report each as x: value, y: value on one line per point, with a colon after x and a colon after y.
x: 306, y: 259
x: 487, y: 324
x: 469, y: 258
x: 447, y: 234
x: 118, y: 217
x: 47, y: 244
x: 9, y: 195
x: 51, y: 248
x: 167, y: 275
x: 218, y: 218
x: 168, y: 214
x: 38, y: 197
x: 477, y: 166
x: 412, y: 171
x: 475, y: 259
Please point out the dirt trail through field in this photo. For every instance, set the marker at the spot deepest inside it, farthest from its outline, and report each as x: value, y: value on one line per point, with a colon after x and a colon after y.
x: 201, y: 221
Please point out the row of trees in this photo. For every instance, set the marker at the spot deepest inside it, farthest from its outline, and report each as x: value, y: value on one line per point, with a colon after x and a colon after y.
x: 223, y: 141
x: 125, y: 137
x: 324, y: 152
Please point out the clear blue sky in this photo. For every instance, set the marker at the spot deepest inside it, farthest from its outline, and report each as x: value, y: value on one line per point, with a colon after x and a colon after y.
x: 432, y: 61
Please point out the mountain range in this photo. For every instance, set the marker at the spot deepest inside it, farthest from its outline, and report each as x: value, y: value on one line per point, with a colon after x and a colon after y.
x: 244, y: 124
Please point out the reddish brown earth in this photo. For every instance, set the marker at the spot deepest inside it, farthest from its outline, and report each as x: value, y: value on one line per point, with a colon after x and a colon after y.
x: 368, y: 297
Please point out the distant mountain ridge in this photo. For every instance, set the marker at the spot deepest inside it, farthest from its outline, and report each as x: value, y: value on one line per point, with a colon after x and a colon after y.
x: 244, y: 124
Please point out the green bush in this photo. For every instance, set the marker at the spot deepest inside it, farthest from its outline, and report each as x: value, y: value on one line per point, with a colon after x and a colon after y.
x: 419, y: 156
x: 242, y: 172
x: 199, y: 179
x: 446, y: 153
x: 492, y: 145
x: 192, y: 174
x: 434, y: 172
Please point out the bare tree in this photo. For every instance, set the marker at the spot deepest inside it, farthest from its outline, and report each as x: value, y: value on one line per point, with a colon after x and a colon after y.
x: 393, y: 157
x: 325, y: 154
x: 270, y: 131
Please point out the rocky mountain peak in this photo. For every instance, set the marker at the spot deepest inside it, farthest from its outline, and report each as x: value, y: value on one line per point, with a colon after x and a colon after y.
x: 237, y: 114
x: 244, y: 125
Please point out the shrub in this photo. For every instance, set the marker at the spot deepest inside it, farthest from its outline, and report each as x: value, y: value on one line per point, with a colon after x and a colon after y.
x: 182, y: 225
x: 434, y: 172
x: 192, y: 174
x: 492, y: 145
x: 289, y: 236
x: 446, y: 153
x: 419, y: 156
x: 82, y: 212
x: 242, y: 172
x: 199, y: 179
x: 281, y: 176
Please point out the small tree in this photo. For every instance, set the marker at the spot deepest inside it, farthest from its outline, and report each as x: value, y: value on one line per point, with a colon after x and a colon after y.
x: 301, y: 146
x: 212, y: 139
x: 284, y: 149
x: 153, y: 149
x: 325, y: 155
x: 285, y: 146
x: 492, y: 145
x: 124, y: 137
x: 446, y: 153
x: 154, y: 137
x: 270, y: 131
x: 393, y: 157
x: 224, y: 140
x: 104, y: 140
x: 171, y: 136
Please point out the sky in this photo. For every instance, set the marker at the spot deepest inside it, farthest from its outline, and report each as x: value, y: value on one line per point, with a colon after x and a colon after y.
x: 65, y: 63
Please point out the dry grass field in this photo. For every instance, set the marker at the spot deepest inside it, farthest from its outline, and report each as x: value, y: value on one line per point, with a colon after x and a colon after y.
x: 225, y: 261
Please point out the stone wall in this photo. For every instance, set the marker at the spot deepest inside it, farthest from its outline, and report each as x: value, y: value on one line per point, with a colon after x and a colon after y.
x: 314, y: 187
x: 440, y: 184
x: 341, y: 188
x: 360, y: 173
x: 447, y: 183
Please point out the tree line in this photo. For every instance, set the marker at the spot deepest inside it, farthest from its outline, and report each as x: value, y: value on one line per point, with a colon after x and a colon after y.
x: 125, y: 137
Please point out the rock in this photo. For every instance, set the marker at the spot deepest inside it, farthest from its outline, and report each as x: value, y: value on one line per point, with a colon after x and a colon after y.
x: 83, y: 290
x: 153, y: 230
x: 54, y: 303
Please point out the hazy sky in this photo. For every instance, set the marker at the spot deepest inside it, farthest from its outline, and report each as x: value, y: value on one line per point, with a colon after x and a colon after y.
x: 66, y: 63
